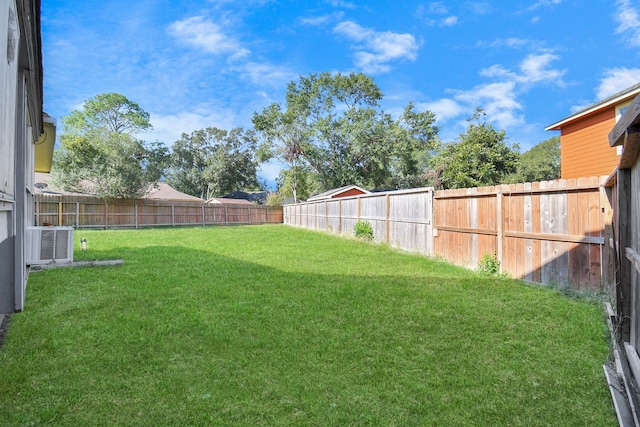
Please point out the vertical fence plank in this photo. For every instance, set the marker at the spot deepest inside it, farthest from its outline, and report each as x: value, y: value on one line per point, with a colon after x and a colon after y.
x: 500, y: 230
x: 528, y: 228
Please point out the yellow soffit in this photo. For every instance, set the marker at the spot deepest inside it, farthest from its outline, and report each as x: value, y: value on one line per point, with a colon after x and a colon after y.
x: 44, y: 145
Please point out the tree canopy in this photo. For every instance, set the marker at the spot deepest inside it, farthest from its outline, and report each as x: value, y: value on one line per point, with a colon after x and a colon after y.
x: 212, y: 162
x: 480, y: 157
x: 540, y: 163
x: 334, y: 125
x: 99, y: 153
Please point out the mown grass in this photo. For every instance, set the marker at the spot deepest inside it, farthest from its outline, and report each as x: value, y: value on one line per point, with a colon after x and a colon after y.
x: 270, y: 325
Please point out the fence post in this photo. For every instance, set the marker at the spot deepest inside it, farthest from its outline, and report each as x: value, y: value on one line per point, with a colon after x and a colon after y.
x: 326, y: 215
x: 386, y: 221
x: 203, y: 220
x: 173, y: 215
x: 135, y: 210
x: 226, y: 215
x: 500, y: 226
x: 340, y: 216
x: 624, y: 292
x: 249, y: 211
x: 359, y: 208
x: 60, y: 213
x: 77, y: 214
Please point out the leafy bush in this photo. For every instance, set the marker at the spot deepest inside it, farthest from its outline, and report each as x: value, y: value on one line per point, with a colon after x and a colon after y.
x: 274, y: 198
x: 489, y: 265
x: 364, y: 230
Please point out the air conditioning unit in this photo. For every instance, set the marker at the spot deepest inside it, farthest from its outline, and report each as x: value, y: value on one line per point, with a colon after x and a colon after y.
x: 45, y: 245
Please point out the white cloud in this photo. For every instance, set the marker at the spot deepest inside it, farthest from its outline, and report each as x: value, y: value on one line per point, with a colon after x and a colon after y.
x: 341, y: 3
x: 500, y: 97
x: 449, y: 21
x: 628, y: 22
x: 377, y: 49
x: 206, y: 35
x: 438, y: 8
x: 267, y: 74
x: 322, y: 19
x: 499, y: 101
x: 444, y: 109
x: 512, y: 43
x: 616, y: 80
x: 542, y: 3
x: 270, y: 170
x: 425, y: 12
x: 535, y: 68
x: 479, y: 8
x: 169, y: 128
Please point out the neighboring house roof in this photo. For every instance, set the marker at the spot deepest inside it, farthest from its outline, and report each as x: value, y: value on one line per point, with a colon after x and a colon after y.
x: 584, y: 145
x: 628, y: 93
x: 259, y: 197
x: 228, y: 201
x: 346, y: 191
x: 164, y: 191
x: 42, y: 184
x: 289, y: 201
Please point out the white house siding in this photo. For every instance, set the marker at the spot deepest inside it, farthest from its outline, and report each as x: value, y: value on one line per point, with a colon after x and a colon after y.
x: 20, y: 107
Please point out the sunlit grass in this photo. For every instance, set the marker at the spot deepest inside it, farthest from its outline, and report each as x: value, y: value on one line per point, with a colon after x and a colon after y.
x: 271, y: 325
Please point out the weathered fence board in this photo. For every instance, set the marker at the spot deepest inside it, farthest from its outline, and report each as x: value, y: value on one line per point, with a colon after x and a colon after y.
x: 89, y: 212
x: 400, y: 218
x: 549, y: 232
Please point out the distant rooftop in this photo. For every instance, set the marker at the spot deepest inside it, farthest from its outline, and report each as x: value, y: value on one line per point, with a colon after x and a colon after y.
x: 164, y: 191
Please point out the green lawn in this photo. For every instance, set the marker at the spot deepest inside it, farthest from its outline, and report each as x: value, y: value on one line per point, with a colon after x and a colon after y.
x: 277, y: 326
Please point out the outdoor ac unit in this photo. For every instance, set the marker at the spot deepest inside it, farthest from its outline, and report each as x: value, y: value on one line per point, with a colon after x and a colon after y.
x: 46, y: 245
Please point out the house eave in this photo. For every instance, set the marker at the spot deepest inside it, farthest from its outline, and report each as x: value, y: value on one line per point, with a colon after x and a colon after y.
x: 612, y: 100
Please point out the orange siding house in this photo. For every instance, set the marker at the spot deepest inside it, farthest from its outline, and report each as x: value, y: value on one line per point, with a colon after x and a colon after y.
x: 584, y: 137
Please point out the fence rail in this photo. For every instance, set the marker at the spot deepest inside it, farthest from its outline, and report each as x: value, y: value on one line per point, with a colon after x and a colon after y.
x: 399, y: 218
x: 89, y: 212
x: 549, y: 232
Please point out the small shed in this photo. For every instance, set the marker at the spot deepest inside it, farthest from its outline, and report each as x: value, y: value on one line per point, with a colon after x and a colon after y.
x: 347, y: 191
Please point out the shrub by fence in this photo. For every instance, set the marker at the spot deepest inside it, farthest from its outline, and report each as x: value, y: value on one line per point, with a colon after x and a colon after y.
x: 549, y: 232
x: 399, y: 218
x: 90, y: 212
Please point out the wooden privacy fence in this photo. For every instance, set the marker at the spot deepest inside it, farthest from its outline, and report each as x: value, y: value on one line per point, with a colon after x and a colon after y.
x: 623, y: 190
x: 549, y: 232
x: 399, y: 218
x: 90, y: 212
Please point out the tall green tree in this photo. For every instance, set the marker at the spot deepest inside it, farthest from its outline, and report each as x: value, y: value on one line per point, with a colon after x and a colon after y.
x: 212, y: 162
x: 306, y: 182
x: 540, y: 163
x: 99, y: 153
x: 285, y: 135
x: 415, y: 139
x: 480, y: 156
x: 334, y: 124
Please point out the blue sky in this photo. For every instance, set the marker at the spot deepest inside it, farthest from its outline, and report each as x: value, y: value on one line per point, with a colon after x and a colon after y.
x: 198, y: 63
